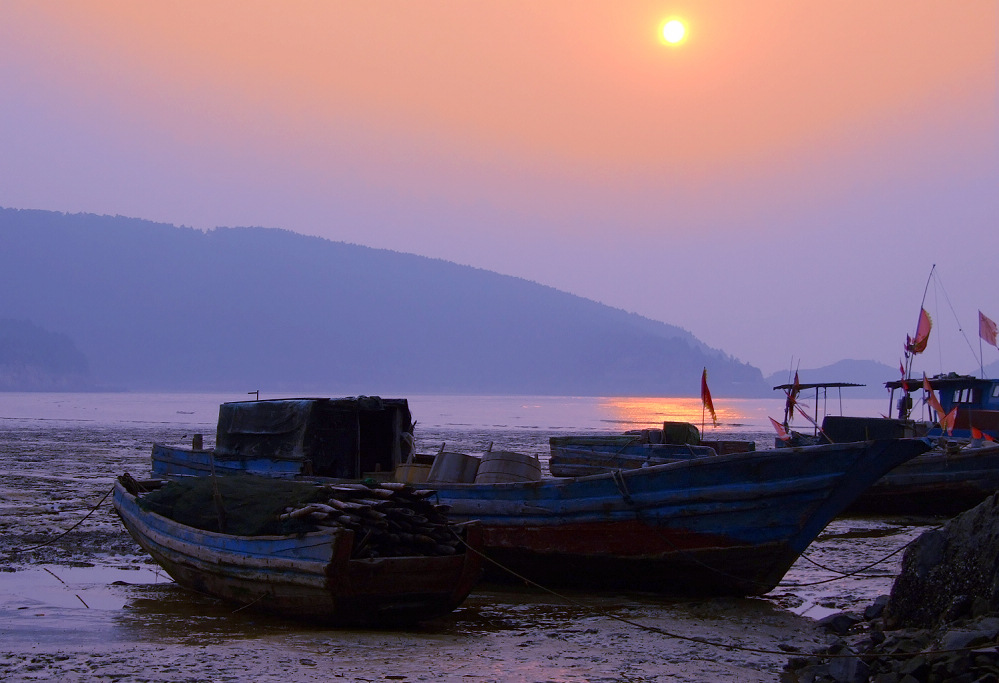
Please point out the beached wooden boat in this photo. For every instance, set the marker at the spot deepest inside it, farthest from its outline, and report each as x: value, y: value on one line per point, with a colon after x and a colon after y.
x: 305, y: 576
x: 727, y: 524
x: 945, y: 481
x: 955, y: 475
x: 581, y: 455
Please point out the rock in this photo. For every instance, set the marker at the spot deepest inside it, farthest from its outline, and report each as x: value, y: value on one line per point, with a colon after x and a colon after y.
x: 958, y: 640
x: 874, y: 610
x: 840, y: 623
x: 849, y: 670
x: 946, y: 571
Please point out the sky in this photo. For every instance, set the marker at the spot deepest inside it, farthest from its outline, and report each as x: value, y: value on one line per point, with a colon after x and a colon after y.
x: 779, y: 183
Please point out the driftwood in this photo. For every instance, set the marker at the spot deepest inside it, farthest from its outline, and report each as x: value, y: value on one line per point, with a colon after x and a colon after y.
x: 389, y: 519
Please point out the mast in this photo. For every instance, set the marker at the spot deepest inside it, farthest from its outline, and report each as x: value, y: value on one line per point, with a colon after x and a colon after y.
x: 903, y: 409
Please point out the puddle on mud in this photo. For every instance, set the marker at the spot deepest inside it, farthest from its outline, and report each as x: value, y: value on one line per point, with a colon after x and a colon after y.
x: 60, y: 586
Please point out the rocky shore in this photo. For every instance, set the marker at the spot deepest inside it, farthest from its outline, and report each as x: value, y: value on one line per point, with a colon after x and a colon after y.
x: 939, y: 624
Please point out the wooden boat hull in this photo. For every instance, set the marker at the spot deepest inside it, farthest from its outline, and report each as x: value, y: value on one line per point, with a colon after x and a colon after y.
x: 580, y: 456
x: 310, y: 576
x: 934, y: 484
x: 728, y: 524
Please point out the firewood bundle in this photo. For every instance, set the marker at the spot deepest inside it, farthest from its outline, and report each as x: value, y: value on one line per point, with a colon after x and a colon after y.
x: 388, y: 519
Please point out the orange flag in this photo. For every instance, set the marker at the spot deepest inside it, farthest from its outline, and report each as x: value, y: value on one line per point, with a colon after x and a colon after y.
x: 706, y: 397
x: 948, y: 420
x: 931, y: 399
x: 987, y: 329
x: 979, y: 434
x: 781, y: 432
x: 918, y: 344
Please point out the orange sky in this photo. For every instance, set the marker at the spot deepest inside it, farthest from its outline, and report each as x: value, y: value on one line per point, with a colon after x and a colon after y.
x: 524, y: 137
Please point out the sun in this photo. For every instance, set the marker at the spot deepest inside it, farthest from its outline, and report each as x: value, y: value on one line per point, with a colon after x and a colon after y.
x: 674, y: 31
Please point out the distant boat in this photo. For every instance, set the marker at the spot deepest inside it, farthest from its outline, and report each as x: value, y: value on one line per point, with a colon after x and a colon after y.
x: 581, y: 455
x: 960, y: 471
x: 309, y: 576
x: 727, y: 524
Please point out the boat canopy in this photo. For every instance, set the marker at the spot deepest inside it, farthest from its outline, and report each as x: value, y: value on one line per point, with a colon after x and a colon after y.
x: 340, y: 437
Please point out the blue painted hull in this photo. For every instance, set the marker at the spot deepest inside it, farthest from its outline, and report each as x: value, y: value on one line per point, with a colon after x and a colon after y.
x: 729, y: 524
x: 938, y: 483
x: 307, y: 576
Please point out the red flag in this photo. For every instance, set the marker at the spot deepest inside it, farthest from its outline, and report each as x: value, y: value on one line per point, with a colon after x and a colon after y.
x: 706, y: 397
x: 979, y: 434
x: 918, y: 344
x: 987, y: 329
x: 781, y: 432
x: 905, y: 385
x: 948, y: 420
x: 931, y: 399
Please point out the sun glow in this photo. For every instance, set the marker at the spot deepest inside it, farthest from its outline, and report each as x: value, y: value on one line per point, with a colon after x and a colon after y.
x: 674, y: 31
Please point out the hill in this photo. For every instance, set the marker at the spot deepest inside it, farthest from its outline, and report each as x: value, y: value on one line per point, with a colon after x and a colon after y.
x: 33, y: 359
x: 159, y: 307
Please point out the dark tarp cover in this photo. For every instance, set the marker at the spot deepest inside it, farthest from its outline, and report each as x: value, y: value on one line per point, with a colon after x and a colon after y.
x: 251, y: 504
x: 272, y: 428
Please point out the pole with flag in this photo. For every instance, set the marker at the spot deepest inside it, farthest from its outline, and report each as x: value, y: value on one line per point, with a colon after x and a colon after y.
x: 986, y: 332
x: 706, y: 400
x: 917, y: 343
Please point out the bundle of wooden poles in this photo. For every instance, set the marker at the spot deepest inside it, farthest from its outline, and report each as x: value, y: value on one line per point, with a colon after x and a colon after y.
x: 388, y: 519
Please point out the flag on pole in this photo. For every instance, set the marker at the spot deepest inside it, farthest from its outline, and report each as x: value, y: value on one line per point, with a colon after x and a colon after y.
x: 931, y: 400
x: 781, y: 432
x: 977, y: 433
x: 948, y: 420
x: 918, y: 343
x: 706, y: 397
x: 987, y: 329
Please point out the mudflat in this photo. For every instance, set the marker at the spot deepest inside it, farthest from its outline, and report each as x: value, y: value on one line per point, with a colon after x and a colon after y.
x: 90, y: 605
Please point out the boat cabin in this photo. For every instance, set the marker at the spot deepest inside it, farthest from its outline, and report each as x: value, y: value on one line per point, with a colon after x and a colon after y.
x: 976, y: 400
x: 840, y: 428
x: 330, y: 437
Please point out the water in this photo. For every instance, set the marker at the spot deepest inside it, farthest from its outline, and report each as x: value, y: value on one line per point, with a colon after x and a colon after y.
x: 89, y: 603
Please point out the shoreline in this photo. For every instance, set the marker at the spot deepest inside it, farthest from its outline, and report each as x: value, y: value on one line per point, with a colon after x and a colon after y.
x: 90, y: 604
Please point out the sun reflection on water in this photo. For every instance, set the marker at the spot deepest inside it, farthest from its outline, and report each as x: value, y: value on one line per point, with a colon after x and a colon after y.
x: 651, y: 412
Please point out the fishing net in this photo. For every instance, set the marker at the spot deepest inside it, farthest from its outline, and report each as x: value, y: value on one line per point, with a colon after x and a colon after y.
x: 250, y: 506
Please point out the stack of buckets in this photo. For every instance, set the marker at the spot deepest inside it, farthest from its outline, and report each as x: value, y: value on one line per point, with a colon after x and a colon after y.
x: 494, y: 467
x: 507, y: 467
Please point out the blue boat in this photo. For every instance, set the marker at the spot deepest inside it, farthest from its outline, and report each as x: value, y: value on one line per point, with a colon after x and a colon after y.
x: 723, y: 525
x: 959, y: 472
x: 581, y: 455
x: 976, y: 401
x: 312, y: 575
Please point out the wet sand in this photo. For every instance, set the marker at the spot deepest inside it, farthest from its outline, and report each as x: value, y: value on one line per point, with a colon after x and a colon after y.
x: 90, y: 605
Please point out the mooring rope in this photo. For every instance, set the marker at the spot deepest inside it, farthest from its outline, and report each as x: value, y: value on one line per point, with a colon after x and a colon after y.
x: 12, y: 553
x: 694, y: 639
x: 843, y: 575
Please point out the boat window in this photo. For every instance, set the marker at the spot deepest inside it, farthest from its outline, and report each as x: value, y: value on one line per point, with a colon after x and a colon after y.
x: 995, y: 391
x: 964, y: 396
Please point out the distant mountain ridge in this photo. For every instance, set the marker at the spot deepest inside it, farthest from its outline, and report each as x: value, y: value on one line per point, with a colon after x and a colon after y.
x: 871, y: 374
x: 159, y: 307
x: 33, y: 359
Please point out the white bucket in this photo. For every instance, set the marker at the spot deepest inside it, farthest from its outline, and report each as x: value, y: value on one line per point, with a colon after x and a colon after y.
x: 506, y: 467
x: 454, y: 468
x: 411, y: 473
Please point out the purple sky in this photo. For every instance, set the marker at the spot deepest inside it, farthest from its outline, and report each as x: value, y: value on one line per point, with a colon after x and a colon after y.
x: 779, y: 184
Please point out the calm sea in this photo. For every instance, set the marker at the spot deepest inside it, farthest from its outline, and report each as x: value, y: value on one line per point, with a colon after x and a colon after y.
x: 446, y: 416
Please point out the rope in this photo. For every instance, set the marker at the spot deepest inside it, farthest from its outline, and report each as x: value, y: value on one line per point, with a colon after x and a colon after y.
x: 844, y: 575
x: 693, y: 639
x: 12, y: 553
